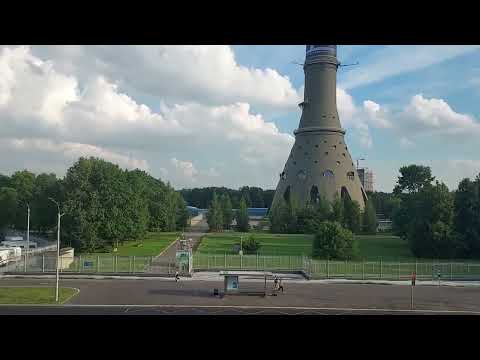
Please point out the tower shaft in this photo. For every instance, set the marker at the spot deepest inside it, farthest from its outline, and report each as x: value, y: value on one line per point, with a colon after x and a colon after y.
x: 319, y: 163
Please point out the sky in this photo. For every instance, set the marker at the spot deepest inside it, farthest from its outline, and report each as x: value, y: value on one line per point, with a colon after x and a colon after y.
x: 199, y: 116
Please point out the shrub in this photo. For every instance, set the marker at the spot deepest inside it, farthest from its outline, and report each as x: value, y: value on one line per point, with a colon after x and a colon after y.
x: 251, y: 245
x: 332, y: 241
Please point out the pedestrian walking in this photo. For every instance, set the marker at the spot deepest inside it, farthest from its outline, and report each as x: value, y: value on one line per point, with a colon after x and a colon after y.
x: 275, y: 283
x: 177, y: 276
x: 280, y: 285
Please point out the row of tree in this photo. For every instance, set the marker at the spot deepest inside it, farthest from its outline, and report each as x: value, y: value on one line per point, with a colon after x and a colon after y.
x: 436, y: 222
x: 287, y: 217
x: 220, y: 214
x: 253, y: 196
x: 103, y: 204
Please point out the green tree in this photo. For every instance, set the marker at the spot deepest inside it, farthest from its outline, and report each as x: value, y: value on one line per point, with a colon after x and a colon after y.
x: 43, y: 212
x: 430, y: 230
x: 467, y: 216
x: 8, y: 207
x: 332, y: 241
x: 242, y: 216
x: 352, y: 215
x: 278, y: 217
x: 337, y: 209
x: 214, y: 214
x: 23, y: 182
x: 227, y: 212
x: 413, y: 178
x: 369, y: 218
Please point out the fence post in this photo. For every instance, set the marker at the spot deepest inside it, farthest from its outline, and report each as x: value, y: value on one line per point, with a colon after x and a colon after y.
x: 263, y: 262
x: 98, y: 263
x: 129, y: 264
x: 328, y: 270
x: 208, y: 261
x: 225, y: 260
x: 134, y: 264
x: 416, y: 267
x: 399, y: 270
x: 80, y: 266
x: 345, y: 272
x: 451, y: 272
x: 381, y: 269
x: 43, y: 263
x: 241, y: 261
x: 363, y: 269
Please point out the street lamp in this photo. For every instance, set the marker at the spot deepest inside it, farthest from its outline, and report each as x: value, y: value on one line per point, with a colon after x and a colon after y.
x: 28, y: 236
x: 58, y: 246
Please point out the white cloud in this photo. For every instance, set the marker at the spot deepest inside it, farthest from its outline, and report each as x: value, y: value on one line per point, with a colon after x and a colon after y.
x: 390, y: 61
x: 406, y: 143
x: 28, y: 150
x: 204, y: 74
x: 98, y: 118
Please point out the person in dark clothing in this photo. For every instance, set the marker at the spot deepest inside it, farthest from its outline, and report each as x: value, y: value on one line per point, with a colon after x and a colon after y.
x: 177, y: 276
x: 275, y: 283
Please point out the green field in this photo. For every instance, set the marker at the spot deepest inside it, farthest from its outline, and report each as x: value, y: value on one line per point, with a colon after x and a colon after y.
x: 385, y: 247
x: 271, y: 244
x: 372, y: 247
x: 152, y: 245
x: 32, y: 295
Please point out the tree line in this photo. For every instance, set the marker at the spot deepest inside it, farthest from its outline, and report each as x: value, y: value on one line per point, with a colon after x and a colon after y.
x: 436, y: 222
x: 104, y: 205
x: 254, y: 196
x: 220, y: 214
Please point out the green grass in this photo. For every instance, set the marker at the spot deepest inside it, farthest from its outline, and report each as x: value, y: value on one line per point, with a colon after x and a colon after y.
x: 152, y: 245
x: 371, y: 247
x: 385, y: 247
x: 34, y: 295
x: 271, y: 244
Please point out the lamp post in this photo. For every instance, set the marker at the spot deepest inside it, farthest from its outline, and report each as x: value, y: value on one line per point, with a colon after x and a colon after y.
x: 58, y: 247
x: 28, y: 237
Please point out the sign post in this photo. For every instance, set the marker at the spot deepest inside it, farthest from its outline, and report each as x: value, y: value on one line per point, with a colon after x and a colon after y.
x: 414, y: 278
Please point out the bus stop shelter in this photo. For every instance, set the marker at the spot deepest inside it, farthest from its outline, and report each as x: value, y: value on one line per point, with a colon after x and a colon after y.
x: 233, y: 285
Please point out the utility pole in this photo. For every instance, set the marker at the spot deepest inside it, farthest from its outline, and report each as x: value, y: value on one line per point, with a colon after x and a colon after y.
x: 58, y: 248
x: 28, y: 237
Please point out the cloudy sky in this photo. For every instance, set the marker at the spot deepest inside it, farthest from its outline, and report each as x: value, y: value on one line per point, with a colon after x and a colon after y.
x: 224, y: 115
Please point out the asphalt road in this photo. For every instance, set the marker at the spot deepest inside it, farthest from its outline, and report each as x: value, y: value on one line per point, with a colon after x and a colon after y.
x: 165, y: 296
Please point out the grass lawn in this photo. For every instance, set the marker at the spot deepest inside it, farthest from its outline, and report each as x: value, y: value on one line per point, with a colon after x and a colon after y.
x: 272, y: 244
x: 34, y: 295
x: 385, y: 247
x: 152, y: 245
x: 372, y: 247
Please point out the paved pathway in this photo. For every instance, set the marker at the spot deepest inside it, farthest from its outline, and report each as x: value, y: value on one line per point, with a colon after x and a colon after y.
x: 166, y: 261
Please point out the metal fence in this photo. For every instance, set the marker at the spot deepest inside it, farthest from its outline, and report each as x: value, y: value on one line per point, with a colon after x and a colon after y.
x: 316, y: 269
x: 324, y: 269
x: 45, y: 263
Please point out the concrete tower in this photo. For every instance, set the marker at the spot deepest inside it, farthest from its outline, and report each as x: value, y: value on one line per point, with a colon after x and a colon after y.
x: 319, y: 162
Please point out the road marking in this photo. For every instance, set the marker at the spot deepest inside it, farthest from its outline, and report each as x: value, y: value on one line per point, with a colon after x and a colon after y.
x: 77, y: 290
x: 236, y: 307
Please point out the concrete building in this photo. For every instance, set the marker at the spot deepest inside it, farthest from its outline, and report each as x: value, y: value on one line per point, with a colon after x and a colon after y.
x: 319, y: 162
x: 366, y: 178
